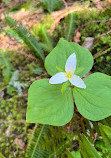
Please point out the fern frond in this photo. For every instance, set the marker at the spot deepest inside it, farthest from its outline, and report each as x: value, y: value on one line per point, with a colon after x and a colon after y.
x: 106, y: 134
x: 28, y: 39
x: 12, y: 33
x: 70, y: 26
x: 33, y: 148
x: 61, y: 148
x: 51, y: 5
x: 47, y: 41
x: 86, y: 148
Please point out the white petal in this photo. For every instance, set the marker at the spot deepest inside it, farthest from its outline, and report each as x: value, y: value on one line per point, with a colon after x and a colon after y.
x: 71, y: 63
x: 77, y: 81
x: 58, y: 78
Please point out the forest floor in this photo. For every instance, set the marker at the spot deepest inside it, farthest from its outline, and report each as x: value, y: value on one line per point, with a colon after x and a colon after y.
x: 93, y: 20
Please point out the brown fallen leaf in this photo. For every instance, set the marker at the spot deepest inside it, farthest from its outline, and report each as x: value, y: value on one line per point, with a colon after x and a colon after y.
x: 8, y: 42
x: 7, y: 133
x: 20, y: 143
x: 58, y: 15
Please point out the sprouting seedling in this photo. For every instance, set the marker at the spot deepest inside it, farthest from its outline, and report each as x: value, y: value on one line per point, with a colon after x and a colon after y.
x: 68, y: 75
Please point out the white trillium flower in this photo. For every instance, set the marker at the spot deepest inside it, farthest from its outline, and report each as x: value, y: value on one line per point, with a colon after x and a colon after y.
x: 68, y: 75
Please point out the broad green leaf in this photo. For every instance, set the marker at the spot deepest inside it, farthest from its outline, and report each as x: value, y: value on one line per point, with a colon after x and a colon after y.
x: 87, y: 150
x: 106, y: 134
x: 48, y: 105
x: 94, y: 102
x: 60, y: 54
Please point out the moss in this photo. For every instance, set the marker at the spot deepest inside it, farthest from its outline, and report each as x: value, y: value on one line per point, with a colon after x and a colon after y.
x: 93, y: 23
x: 103, y: 64
x: 46, y: 20
x: 13, y: 126
x: 13, y: 107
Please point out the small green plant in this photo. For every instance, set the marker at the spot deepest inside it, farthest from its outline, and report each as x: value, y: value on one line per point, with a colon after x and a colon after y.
x: 12, y: 120
x: 70, y: 21
x: 51, y: 5
x: 33, y: 148
x: 48, y: 141
x: 25, y: 35
x: 46, y: 39
x: 5, y: 66
x: 106, y: 134
x: 86, y: 148
x: 12, y: 33
x: 51, y: 101
x: 6, y: 1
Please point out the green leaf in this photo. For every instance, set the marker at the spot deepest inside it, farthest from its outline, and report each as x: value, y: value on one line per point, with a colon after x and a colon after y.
x: 51, y: 5
x: 106, y: 134
x: 7, y: 75
x: 60, y: 54
x: 45, y: 38
x: 87, y: 150
x: 65, y: 85
x: 79, y: 70
x: 73, y: 154
x: 94, y: 102
x: 48, y: 105
x: 26, y: 36
x: 60, y: 69
x: 71, y: 25
x: 35, y: 141
x: 6, y: 66
x: 12, y: 33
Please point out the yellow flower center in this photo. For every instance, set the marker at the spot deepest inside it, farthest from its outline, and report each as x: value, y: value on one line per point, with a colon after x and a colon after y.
x: 69, y: 75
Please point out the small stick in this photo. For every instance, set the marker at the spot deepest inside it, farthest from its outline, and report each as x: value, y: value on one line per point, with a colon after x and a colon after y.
x: 103, y: 35
x: 65, y: 4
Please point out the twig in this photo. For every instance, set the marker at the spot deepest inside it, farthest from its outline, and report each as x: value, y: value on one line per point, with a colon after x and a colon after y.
x: 101, y: 53
x: 103, y: 35
x: 65, y: 4
x: 15, y: 121
x: 28, y: 55
x: 57, y: 16
x: 99, y: 20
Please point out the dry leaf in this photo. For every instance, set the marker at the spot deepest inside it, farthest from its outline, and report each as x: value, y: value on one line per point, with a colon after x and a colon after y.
x: 77, y: 37
x: 20, y: 143
x: 58, y: 15
x: 7, y: 133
